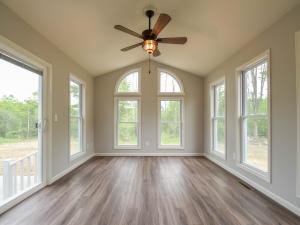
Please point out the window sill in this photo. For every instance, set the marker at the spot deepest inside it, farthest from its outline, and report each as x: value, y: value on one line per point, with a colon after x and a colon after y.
x: 128, y: 94
x: 127, y: 148
x: 266, y: 176
x: 76, y: 156
x: 218, y: 154
x: 170, y: 147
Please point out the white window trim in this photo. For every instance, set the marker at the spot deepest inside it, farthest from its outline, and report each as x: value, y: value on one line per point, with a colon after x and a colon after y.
x: 171, y: 147
x: 82, y: 152
x: 138, y: 93
x: 266, y: 176
x: 26, y: 56
x: 212, y: 109
x: 124, y: 98
x: 175, y: 77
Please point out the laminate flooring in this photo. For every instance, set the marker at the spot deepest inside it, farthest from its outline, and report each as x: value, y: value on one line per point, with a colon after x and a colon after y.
x: 148, y: 191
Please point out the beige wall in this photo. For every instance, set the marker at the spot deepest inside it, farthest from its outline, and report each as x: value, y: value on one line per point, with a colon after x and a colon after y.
x: 104, y: 110
x: 17, y: 31
x: 280, y: 38
x: 297, y: 42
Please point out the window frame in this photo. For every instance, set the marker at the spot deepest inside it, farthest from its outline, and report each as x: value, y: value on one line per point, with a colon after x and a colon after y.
x: 82, y: 85
x: 138, y: 93
x: 266, y: 176
x: 116, y: 122
x: 165, y: 96
x: 213, y: 117
x: 169, y: 93
x: 182, y: 133
x: 128, y: 96
x: 18, y: 52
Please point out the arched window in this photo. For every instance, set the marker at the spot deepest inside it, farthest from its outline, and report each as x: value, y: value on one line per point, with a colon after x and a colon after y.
x: 168, y: 83
x: 171, y: 111
x: 127, y: 105
x: 129, y: 83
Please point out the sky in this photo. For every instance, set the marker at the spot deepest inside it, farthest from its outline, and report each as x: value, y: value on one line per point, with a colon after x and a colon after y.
x: 17, y: 81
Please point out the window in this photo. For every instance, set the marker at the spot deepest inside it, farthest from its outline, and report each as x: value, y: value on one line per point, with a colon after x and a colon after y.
x: 168, y: 84
x: 21, y: 122
x: 127, y: 122
x: 255, y: 116
x: 218, y: 121
x: 127, y: 112
x: 170, y: 110
x: 76, y: 117
x: 130, y: 83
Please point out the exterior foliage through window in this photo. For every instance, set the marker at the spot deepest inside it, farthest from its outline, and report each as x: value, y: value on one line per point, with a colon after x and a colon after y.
x: 171, y: 112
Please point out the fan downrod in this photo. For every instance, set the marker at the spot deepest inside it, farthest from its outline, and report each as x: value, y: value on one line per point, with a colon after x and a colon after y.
x: 147, y: 33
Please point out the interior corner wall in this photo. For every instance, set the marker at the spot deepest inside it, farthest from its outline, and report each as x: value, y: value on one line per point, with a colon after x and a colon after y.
x: 280, y: 39
x: 104, y: 110
x: 16, y: 30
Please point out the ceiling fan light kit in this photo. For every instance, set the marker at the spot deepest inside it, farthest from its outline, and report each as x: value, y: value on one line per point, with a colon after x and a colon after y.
x: 149, y: 46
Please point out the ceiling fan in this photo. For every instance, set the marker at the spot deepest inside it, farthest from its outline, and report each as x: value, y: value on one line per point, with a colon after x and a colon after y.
x: 150, y: 36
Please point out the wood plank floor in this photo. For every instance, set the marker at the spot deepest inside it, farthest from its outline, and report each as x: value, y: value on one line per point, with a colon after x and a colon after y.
x: 148, y: 191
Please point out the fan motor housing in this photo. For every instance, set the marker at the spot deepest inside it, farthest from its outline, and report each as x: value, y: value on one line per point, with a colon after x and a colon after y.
x: 147, y: 35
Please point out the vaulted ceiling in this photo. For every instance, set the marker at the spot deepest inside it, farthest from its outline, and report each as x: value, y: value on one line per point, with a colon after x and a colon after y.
x: 216, y: 29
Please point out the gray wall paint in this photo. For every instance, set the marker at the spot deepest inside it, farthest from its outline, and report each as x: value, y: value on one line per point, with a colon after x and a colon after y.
x: 104, y: 109
x: 17, y: 31
x: 280, y: 38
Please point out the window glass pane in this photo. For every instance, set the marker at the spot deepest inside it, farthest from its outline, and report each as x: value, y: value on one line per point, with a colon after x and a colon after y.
x: 75, y: 145
x: 219, y: 135
x: 170, y: 134
x: 20, y: 105
x: 74, y: 99
x: 128, y: 111
x: 127, y: 122
x: 170, y: 116
x: 257, y: 90
x: 218, y: 117
x: 220, y: 99
x: 168, y: 83
x: 256, y: 153
x: 129, y: 83
x: 127, y: 134
x: 170, y: 111
x: 75, y: 123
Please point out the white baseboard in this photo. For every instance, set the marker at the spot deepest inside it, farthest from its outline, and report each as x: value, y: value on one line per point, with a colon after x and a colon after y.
x: 148, y: 154
x: 286, y: 204
x: 68, y: 170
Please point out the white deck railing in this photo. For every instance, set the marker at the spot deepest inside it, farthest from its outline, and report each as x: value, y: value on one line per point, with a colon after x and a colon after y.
x: 14, y: 182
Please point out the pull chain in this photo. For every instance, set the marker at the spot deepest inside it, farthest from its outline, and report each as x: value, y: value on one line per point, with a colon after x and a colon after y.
x: 149, y: 65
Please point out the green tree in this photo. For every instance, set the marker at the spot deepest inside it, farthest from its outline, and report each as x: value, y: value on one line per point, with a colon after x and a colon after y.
x: 18, y: 118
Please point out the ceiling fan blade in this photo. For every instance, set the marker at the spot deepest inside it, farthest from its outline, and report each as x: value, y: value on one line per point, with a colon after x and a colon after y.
x: 156, y: 52
x: 161, y: 22
x: 131, y: 47
x: 128, y: 31
x: 173, y: 40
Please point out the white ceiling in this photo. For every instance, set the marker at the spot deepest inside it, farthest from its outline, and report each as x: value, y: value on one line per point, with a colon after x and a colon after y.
x: 216, y: 29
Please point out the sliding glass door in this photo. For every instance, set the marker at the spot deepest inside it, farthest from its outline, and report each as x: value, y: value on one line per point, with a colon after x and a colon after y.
x: 20, y: 128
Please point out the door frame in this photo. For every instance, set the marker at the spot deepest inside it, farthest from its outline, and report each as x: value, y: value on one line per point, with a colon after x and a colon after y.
x: 19, y: 52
